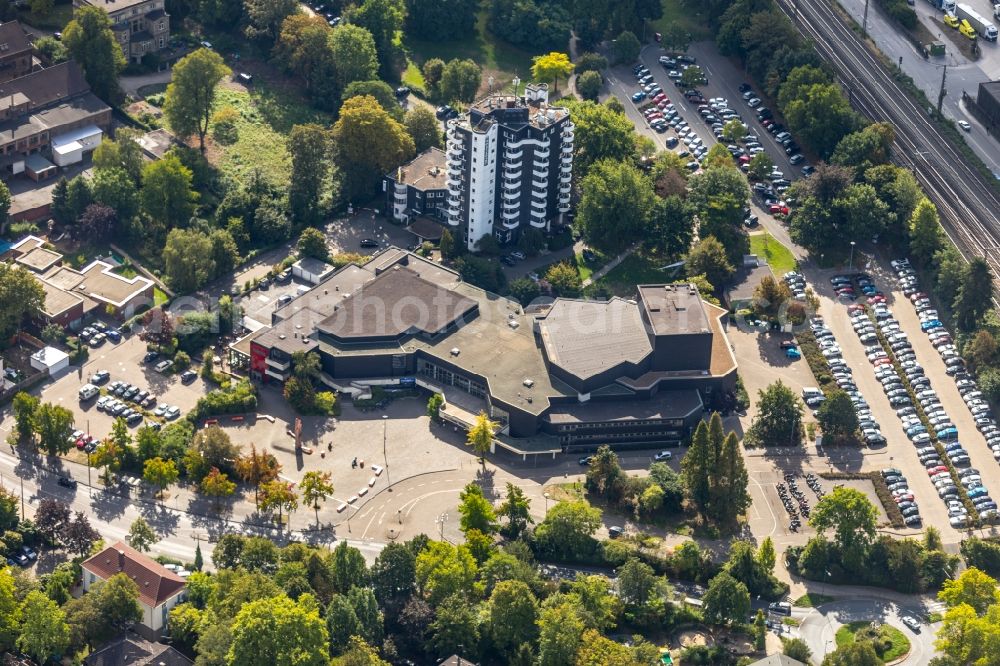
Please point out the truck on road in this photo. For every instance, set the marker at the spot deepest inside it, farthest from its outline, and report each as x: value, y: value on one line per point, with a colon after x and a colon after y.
x: 986, y: 30
x: 947, y: 6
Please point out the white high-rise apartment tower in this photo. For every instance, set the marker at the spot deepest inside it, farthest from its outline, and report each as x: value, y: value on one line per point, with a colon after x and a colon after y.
x: 510, y: 163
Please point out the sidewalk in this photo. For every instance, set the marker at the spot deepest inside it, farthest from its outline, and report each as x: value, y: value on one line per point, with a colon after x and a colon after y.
x: 610, y: 266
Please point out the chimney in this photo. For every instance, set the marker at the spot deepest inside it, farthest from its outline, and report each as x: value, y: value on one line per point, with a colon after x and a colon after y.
x: 121, y: 560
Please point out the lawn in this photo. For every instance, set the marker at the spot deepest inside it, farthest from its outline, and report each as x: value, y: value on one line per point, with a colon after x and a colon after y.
x: 676, y: 12
x: 636, y: 269
x: 497, y: 58
x: 812, y: 600
x: 159, y: 297
x: 898, y: 643
x: 777, y: 255
x: 266, y: 117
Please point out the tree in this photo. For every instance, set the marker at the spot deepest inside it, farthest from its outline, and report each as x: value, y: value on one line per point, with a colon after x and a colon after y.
x: 601, y: 133
x: 316, y: 487
x: 727, y: 601
x: 159, y: 473
x: 79, y: 536
x: 857, y: 653
x: 92, y: 44
x: 568, y: 528
x: 216, y: 485
x: 8, y: 509
x: 837, y: 417
x: 383, y: 19
x: 616, y: 205
x: 210, y: 448
x: 25, y: 405
x: 560, y: 632
x: 342, y: 621
x: 279, y: 632
x: 512, y: 614
x: 761, y: 166
x: 972, y: 588
x: 20, y: 295
x: 51, y: 518
x: 312, y: 243
x: 166, y: 194
x: 53, y: 424
x: 44, y: 632
x: 120, y: 198
x: 591, y: 62
x: 309, y: 147
x: 264, y: 17
x: 109, y: 456
x: 477, y: 511
x: 278, y: 495
x: 348, y: 568
x: 367, y: 143
x: 730, y: 494
x: 60, y: 205
x: 440, y: 20
x: 796, y: 648
x: 354, y: 54
x: 393, y: 575
x: 853, y: 518
x: 257, y: 469
x: 926, y: 236
x: 766, y: 555
x: 692, y: 77
x: 516, y: 508
x: 975, y: 294
x: 696, y: 467
x: 779, y: 417
x: 141, y: 536
x: 708, y: 257
x: 455, y: 627
x: 550, y: 68
x: 564, y: 279
x: 524, y: 291
x: 822, y: 116
x: 460, y: 80
x: 432, y: 70
x: 589, y: 84
x: 443, y: 570
x: 434, y: 404
x: 626, y: 47
x: 191, y: 94
x: 424, y: 128
x: 982, y: 352
x: 480, y: 436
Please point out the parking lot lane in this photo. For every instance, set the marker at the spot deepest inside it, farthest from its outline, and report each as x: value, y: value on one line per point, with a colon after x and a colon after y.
x: 898, y: 452
x: 971, y: 439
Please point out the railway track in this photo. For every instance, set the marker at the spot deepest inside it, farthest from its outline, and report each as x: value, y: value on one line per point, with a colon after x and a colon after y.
x: 966, y: 203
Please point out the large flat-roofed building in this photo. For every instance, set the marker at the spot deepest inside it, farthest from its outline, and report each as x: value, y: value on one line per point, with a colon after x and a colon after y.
x: 580, y: 373
x: 141, y: 27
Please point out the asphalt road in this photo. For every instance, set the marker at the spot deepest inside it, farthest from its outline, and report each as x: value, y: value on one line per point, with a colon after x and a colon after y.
x: 819, y: 626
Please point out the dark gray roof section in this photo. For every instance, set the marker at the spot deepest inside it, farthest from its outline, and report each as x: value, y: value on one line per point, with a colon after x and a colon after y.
x: 47, y: 85
x: 13, y: 39
x: 778, y: 660
x: 586, y: 338
x: 427, y: 171
x: 664, y: 405
x: 134, y: 651
x: 673, y: 309
x: 396, y: 303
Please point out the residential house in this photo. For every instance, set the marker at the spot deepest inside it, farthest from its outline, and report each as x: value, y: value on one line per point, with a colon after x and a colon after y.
x: 16, y: 57
x: 159, y: 588
x: 142, y: 27
x: 130, y: 650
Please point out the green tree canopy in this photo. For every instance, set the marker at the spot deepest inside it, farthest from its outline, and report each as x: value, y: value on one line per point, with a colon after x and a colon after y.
x: 92, y: 44
x: 191, y: 93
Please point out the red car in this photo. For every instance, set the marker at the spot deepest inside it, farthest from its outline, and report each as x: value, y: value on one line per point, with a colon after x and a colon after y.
x: 881, y: 361
x: 917, y: 296
x: 744, y: 159
x: 904, y: 498
x: 877, y: 298
x: 660, y: 97
x: 936, y: 470
x: 778, y: 209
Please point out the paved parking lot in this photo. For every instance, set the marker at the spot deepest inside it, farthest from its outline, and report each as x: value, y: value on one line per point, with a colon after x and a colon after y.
x: 124, y: 362
x: 346, y: 234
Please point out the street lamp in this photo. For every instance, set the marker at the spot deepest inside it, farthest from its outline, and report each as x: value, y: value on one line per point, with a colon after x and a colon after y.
x: 546, y: 496
x: 850, y: 264
x: 385, y: 458
x: 441, y: 520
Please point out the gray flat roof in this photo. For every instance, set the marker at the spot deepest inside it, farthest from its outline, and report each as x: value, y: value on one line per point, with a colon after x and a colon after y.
x: 673, y: 309
x: 427, y: 171
x: 586, y: 338
x: 664, y: 405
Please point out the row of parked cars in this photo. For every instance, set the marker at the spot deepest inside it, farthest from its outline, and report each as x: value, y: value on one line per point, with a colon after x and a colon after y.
x: 894, y: 382
x: 97, y: 333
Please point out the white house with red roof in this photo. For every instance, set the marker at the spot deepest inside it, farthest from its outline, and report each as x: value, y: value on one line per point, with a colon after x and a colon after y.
x: 159, y: 588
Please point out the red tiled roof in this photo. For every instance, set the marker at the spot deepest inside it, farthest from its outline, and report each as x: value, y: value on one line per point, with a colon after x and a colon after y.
x: 156, y: 582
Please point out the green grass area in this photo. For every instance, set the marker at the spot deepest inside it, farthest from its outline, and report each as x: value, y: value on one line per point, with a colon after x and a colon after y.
x: 55, y: 20
x: 812, y: 600
x: 636, y: 269
x: 414, y: 78
x: 790, y: 622
x: 499, y: 59
x: 126, y: 272
x: 159, y: 296
x: 266, y: 118
x: 566, y: 492
x: 892, y: 643
x: 696, y: 23
x: 777, y: 255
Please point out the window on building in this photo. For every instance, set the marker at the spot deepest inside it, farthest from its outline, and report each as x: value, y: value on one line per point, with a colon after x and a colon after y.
x: 161, y: 42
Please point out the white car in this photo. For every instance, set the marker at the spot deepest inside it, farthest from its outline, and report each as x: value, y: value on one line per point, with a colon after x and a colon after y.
x: 965, y: 125
x: 663, y: 455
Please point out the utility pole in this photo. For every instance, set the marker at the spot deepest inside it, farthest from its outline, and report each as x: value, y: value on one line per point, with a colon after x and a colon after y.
x: 385, y: 459
x: 942, y: 92
x: 864, y: 23
x: 22, y: 499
